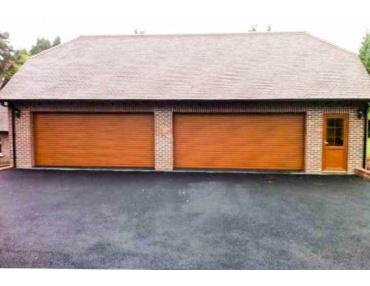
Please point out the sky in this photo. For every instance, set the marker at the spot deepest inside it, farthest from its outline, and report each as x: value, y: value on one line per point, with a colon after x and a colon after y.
x: 342, y: 24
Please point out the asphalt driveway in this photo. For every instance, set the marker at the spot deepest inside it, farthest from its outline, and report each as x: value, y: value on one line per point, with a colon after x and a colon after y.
x: 61, y: 219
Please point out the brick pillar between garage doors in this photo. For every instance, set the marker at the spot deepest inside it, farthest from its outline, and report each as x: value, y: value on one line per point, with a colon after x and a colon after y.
x: 163, y: 139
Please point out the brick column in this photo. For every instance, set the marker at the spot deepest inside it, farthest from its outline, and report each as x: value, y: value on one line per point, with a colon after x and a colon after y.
x: 314, y: 133
x: 24, y: 139
x: 355, y: 141
x: 163, y: 139
x: 10, y: 136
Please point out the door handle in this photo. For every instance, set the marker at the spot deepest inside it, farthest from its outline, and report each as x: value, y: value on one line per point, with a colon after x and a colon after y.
x: 326, y: 143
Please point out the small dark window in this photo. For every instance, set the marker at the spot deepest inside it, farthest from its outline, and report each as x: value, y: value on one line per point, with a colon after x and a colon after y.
x: 335, y: 132
x: 0, y: 145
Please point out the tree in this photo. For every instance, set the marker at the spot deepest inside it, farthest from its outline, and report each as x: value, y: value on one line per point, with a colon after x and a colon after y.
x: 18, y: 59
x: 253, y: 28
x: 43, y: 44
x: 139, y: 32
x: 5, y: 56
x: 364, y: 52
x: 15, y: 59
x: 57, y: 41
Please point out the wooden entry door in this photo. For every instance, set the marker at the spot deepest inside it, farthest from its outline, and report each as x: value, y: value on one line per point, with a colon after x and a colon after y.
x: 335, y: 142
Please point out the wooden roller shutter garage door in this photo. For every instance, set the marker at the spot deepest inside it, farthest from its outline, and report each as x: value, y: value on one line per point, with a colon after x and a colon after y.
x: 239, y: 141
x: 94, y: 140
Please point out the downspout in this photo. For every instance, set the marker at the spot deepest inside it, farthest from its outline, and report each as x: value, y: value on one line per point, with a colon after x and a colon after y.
x: 364, y: 163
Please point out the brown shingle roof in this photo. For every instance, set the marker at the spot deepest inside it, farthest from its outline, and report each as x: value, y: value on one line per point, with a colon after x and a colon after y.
x: 3, y: 119
x: 246, y: 66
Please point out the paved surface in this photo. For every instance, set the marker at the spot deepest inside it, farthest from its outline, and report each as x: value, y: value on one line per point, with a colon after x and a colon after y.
x: 183, y: 221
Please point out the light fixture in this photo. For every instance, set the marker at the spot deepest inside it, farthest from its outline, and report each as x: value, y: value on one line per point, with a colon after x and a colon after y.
x: 359, y: 113
x: 17, y: 112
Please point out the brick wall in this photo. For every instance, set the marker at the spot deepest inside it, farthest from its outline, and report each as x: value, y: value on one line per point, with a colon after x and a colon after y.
x: 355, y: 141
x: 10, y: 137
x: 314, y: 133
x: 163, y: 139
x: 164, y: 127
x: 4, y: 154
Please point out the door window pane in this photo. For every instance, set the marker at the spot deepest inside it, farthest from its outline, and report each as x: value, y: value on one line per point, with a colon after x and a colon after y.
x: 335, y: 132
x: 331, y: 122
x: 339, y: 122
x: 339, y: 132
x: 338, y: 141
x: 331, y: 132
x: 331, y: 141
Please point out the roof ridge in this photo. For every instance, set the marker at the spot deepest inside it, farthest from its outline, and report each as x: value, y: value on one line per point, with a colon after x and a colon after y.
x: 267, y: 33
x: 191, y: 34
x: 53, y: 48
x: 331, y: 44
x: 201, y: 34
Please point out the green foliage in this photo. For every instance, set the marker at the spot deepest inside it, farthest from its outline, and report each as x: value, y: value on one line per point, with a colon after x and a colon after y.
x: 254, y: 28
x: 5, y: 56
x: 364, y: 52
x: 57, y: 41
x: 11, y: 61
x: 18, y: 59
x: 139, y: 32
x: 43, y: 44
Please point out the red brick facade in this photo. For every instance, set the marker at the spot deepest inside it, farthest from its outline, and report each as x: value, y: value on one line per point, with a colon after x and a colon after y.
x: 163, y: 114
x: 4, y: 150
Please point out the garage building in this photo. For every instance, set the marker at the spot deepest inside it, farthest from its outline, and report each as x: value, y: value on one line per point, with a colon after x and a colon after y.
x: 253, y: 101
